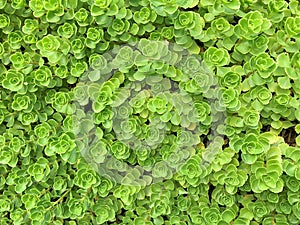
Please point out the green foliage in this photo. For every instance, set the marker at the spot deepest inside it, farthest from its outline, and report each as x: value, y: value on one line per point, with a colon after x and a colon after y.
x: 93, y: 37
x: 217, y: 57
x: 40, y: 169
x: 30, y: 26
x: 189, y: 21
x: 144, y: 16
x: 13, y: 80
x: 292, y: 26
x: 85, y: 178
x: 118, y: 27
x: 263, y: 64
x: 252, y: 24
x: 42, y: 76
x: 149, y: 112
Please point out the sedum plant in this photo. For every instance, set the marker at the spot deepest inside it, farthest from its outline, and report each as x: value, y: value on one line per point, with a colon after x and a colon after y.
x: 149, y: 112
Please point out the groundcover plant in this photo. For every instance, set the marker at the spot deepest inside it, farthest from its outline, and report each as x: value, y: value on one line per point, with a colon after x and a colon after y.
x: 149, y: 112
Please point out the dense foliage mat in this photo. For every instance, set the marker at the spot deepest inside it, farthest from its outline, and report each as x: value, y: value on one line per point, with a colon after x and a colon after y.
x: 150, y: 112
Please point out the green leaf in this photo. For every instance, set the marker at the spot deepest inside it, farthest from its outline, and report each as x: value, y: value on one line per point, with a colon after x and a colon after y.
x: 283, y: 60
x: 284, y: 82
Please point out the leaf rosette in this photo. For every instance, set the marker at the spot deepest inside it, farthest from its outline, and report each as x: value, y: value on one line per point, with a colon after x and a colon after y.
x: 144, y: 16
x: 216, y: 57
x: 264, y: 65
x: 4, y: 21
x: 292, y: 26
x: 276, y: 10
x: 13, y: 80
x: 252, y: 24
